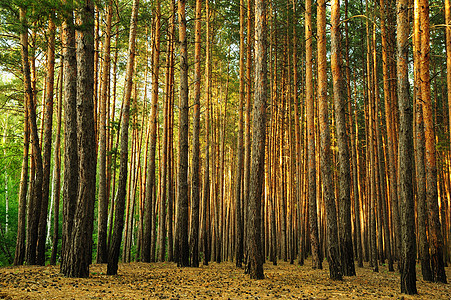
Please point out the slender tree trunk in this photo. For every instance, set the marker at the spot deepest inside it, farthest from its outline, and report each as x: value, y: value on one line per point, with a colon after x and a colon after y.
x: 115, y: 246
x: 195, y: 180
x: 47, y: 143
x: 313, y: 218
x: 391, y: 166
x: 206, y: 183
x: 333, y: 250
x: 21, y: 219
x: 258, y: 145
x: 35, y: 201
x: 247, y: 120
x: 239, y: 231
x: 182, y: 196
x: 405, y: 156
x: 102, y: 250
x: 57, y: 173
x: 169, y: 111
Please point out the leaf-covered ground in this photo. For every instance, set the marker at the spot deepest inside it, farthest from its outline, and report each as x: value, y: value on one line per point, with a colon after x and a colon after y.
x: 216, y: 281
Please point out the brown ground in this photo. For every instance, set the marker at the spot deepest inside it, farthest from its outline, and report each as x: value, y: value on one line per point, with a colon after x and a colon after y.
x: 216, y: 281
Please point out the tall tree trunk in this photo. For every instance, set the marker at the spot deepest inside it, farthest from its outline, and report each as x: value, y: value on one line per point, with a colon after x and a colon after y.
x: 206, y: 183
x: 70, y: 177
x: 258, y: 145
x: 391, y: 166
x: 182, y: 196
x: 423, y: 246
x: 405, y: 156
x: 346, y: 249
x: 239, y: 230
x: 35, y: 202
x: 195, y: 180
x: 47, y: 143
x: 313, y: 218
x: 448, y: 58
x: 80, y: 252
x: 435, y: 232
x: 169, y: 110
x: 115, y: 246
x: 247, y: 120
x: 102, y: 250
x: 333, y: 250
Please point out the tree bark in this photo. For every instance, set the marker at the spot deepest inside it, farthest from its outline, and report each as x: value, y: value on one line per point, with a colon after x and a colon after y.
x: 70, y: 177
x: 195, y: 180
x: 333, y: 250
x: 346, y: 249
x: 239, y: 230
x: 80, y: 252
x: 182, y: 196
x: 423, y: 246
x: 258, y: 145
x: 435, y: 232
x: 103, y: 199
x: 405, y: 155
x: 313, y: 218
x: 35, y: 202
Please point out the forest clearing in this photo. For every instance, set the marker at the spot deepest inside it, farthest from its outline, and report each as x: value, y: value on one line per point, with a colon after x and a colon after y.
x: 142, y: 140
x: 215, y: 281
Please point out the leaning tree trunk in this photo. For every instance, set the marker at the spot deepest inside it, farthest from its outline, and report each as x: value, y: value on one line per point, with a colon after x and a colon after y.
x: 80, y: 255
x: 115, y: 247
x: 405, y: 156
x: 257, y: 174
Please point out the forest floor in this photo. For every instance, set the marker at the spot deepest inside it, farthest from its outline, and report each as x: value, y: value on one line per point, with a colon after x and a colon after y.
x: 215, y: 281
